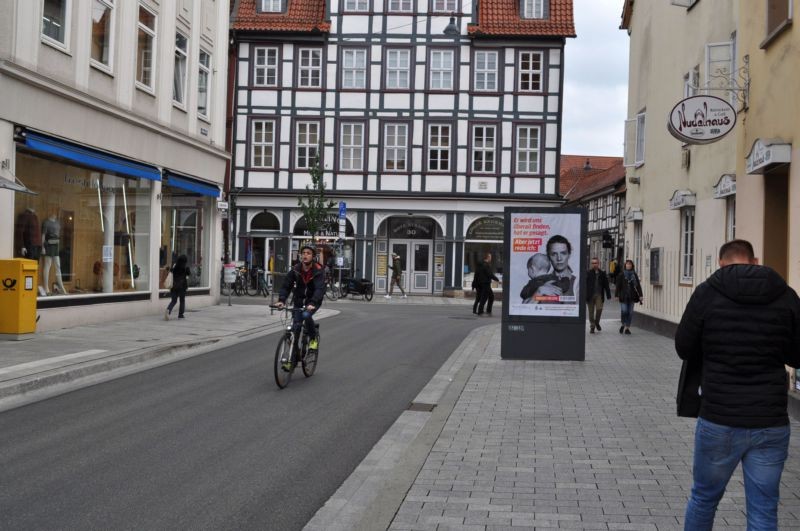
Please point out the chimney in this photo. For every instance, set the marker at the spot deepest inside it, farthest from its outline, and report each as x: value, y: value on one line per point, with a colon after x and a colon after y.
x: 587, y: 166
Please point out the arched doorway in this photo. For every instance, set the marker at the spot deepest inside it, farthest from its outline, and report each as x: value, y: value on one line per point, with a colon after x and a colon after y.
x: 484, y: 235
x: 262, y: 244
x: 413, y: 239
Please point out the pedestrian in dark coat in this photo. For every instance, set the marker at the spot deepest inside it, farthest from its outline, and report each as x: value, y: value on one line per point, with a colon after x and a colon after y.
x: 180, y: 284
x: 597, y: 291
x: 629, y: 292
x: 740, y: 328
x: 483, y: 286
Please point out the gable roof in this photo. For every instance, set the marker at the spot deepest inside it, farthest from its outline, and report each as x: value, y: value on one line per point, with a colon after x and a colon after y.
x: 572, y: 168
x: 300, y: 16
x: 503, y: 17
x: 593, y: 181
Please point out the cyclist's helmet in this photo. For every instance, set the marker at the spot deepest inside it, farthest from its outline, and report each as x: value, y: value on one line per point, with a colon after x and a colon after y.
x: 309, y: 246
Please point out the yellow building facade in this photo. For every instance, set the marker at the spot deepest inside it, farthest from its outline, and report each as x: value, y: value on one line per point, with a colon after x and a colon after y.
x: 768, y: 135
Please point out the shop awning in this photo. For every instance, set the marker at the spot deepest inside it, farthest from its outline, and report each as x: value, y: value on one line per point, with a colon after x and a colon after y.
x: 90, y: 157
x: 192, y: 185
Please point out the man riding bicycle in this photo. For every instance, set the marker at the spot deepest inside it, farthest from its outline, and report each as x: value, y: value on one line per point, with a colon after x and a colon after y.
x: 307, y: 281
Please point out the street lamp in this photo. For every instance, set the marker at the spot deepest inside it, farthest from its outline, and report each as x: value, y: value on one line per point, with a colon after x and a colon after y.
x: 452, y: 29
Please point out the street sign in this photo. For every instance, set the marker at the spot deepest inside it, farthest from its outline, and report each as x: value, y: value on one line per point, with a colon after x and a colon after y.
x: 342, y: 228
x: 342, y: 210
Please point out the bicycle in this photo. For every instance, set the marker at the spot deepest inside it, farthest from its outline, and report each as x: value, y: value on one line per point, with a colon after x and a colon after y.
x: 293, y: 347
x: 258, y: 284
x: 331, y: 288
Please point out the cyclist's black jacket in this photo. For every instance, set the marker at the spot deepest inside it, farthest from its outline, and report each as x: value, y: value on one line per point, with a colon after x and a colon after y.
x: 308, y: 287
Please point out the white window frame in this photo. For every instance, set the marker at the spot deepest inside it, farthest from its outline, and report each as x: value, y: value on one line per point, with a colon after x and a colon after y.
x: 354, y: 62
x: 641, y: 124
x: 687, y: 244
x: 263, y: 65
x: 440, y: 144
x: 207, y: 70
x: 401, y: 6
x: 530, y: 72
x: 445, y: 6
x: 484, y: 72
x: 691, y: 82
x: 391, y: 146
x: 637, y: 245
x: 271, y: 6
x: 533, y: 8
x: 260, y: 146
x: 153, y: 33
x: 67, y: 22
x: 393, y: 73
x: 525, y: 154
x: 106, y: 67
x: 351, y: 154
x: 308, y: 54
x: 356, y: 6
x: 726, y: 64
x: 482, y: 148
x: 309, y: 149
x: 730, y: 218
x: 440, y: 76
x: 180, y: 99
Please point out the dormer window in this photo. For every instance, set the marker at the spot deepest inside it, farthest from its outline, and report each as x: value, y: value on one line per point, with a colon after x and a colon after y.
x: 271, y: 6
x: 533, y: 8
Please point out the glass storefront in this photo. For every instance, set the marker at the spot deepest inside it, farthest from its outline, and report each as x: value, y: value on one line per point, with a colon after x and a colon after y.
x: 89, y: 230
x: 184, y: 231
x: 484, y: 235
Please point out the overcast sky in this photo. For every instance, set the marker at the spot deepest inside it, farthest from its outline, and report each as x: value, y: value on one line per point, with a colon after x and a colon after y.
x: 596, y: 81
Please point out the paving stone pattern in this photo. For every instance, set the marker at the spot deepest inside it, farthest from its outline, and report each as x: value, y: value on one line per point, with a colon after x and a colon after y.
x: 573, y: 445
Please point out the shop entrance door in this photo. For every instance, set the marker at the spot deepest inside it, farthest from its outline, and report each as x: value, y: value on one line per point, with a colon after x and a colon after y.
x: 416, y: 260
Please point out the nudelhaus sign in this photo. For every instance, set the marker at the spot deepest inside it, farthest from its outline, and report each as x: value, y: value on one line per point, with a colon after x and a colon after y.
x: 701, y: 119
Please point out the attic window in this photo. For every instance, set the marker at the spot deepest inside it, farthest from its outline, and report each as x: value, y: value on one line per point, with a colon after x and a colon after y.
x: 533, y: 8
x: 271, y: 6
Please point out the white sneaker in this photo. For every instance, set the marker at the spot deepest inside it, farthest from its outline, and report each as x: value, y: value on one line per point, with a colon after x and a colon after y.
x: 405, y: 296
x: 387, y: 296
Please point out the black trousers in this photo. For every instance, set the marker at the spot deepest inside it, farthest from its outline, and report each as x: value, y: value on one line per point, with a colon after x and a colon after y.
x: 176, y: 295
x: 484, y: 298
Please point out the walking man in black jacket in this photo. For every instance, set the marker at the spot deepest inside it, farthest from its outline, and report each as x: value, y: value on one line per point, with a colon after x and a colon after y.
x: 597, y: 291
x: 483, y: 283
x: 743, y: 326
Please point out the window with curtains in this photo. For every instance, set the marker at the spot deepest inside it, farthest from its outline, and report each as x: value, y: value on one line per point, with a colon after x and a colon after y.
x: 527, y: 149
x: 533, y: 8
x: 484, y: 144
x: 354, y: 68
x: 398, y: 65
x: 263, y: 144
x: 440, y: 69
x: 309, y: 70
x: 356, y: 5
x: 400, y: 6
x: 485, y: 71
x: 351, y: 147
x: 395, y: 147
x: 179, y: 74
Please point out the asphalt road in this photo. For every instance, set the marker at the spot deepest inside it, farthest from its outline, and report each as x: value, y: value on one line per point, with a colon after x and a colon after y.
x: 210, y: 442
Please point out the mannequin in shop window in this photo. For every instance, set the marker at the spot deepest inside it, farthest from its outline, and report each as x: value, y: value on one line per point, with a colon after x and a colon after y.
x: 51, y: 234
x: 29, y: 235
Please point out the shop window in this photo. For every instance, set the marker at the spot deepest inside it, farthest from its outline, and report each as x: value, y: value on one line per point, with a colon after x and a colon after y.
x: 183, y: 232
x: 484, y: 235
x: 89, y: 230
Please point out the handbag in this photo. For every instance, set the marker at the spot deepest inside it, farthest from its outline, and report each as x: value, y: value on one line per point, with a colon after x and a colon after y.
x: 688, y: 397
x: 168, y: 281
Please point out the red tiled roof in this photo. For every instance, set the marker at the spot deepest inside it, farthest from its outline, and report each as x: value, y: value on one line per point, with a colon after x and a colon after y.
x: 568, y: 178
x: 502, y: 17
x: 300, y: 15
x: 595, y: 180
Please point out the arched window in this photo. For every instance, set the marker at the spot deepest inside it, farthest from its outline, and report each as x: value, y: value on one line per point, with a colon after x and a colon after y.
x: 265, y: 221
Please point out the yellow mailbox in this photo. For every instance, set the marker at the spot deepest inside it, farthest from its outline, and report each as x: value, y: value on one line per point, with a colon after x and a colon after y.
x: 18, y: 281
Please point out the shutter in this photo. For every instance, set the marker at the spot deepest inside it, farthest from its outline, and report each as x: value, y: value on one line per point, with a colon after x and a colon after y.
x: 630, y: 143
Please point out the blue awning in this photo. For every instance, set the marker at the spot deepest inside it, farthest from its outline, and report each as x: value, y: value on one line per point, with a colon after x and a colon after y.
x: 90, y: 157
x: 192, y: 185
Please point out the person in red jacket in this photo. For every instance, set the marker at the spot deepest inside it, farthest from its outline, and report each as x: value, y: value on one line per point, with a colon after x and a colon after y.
x: 741, y: 326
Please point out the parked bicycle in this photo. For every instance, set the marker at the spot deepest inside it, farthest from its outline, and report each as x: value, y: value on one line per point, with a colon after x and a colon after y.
x: 332, y: 291
x: 293, y: 348
x: 358, y: 286
x: 258, y: 284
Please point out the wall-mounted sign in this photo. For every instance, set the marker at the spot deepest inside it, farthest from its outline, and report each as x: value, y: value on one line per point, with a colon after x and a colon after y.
x: 725, y: 186
x: 486, y: 229
x: 634, y: 214
x: 655, y: 265
x: 682, y: 198
x: 701, y: 119
x: 414, y: 228
x: 767, y: 152
x: 329, y: 228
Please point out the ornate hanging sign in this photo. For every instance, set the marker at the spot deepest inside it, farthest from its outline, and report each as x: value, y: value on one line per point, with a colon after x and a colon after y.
x: 701, y: 119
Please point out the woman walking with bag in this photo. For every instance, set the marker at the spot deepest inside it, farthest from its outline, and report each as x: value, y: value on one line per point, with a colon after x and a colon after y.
x: 629, y: 292
x: 180, y: 283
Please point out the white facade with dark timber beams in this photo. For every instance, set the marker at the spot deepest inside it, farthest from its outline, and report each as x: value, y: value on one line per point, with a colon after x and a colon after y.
x: 425, y: 136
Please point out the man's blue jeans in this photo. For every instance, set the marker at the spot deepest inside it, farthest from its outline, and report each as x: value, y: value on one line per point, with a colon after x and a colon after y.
x: 626, y: 309
x: 298, y: 318
x: 717, y: 451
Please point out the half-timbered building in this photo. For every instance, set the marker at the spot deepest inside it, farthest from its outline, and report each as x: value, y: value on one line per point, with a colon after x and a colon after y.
x: 428, y: 118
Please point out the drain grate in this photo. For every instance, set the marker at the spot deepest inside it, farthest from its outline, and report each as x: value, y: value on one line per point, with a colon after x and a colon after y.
x: 420, y: 406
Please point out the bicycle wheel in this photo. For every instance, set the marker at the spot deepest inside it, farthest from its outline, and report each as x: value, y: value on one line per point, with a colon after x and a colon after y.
x: 369, y: 294
x: 330, y: 292
x: 309, y: 362
x: 283, y: 352
x: 251, y: 286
